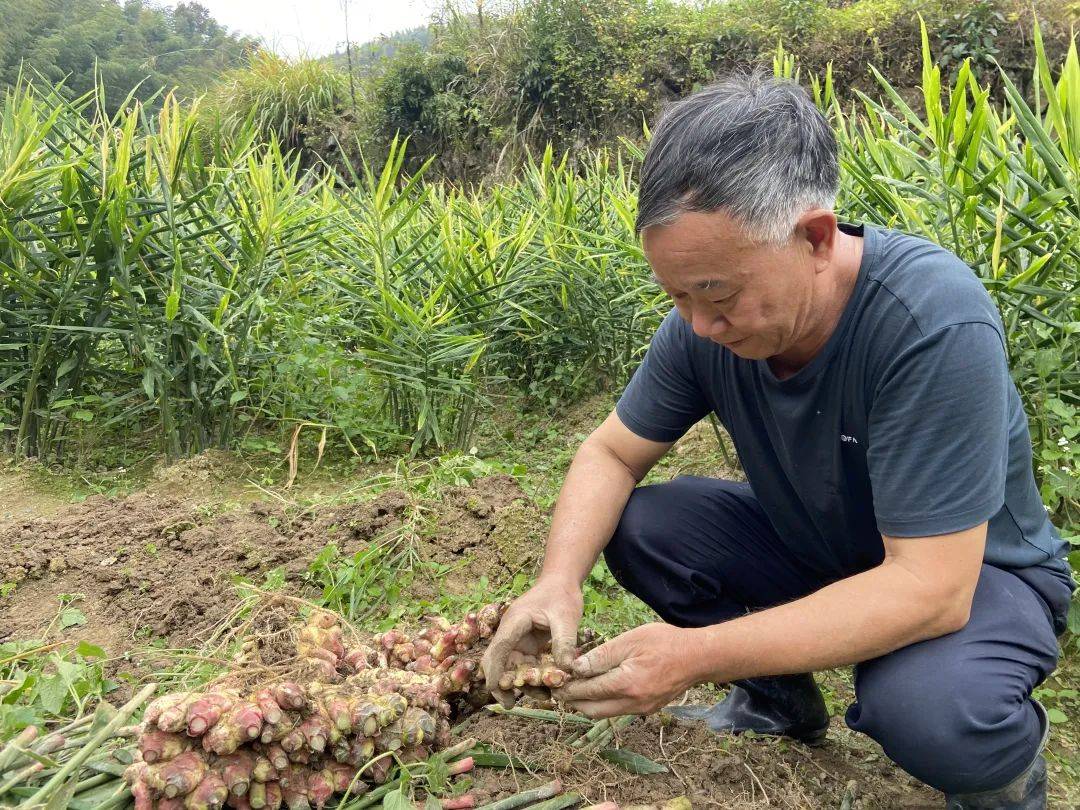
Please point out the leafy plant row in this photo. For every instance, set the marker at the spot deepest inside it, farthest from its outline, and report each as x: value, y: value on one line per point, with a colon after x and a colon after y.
x: 160, y: 288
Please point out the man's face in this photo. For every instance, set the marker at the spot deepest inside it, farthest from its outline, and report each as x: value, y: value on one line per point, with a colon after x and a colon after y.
x: 753, y: 299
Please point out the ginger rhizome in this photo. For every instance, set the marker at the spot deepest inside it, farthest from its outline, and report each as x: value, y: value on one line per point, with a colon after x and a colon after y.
x: 338, y: 723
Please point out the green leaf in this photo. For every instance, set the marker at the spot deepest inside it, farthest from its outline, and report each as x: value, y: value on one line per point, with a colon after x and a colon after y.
x: 397, y: 800
x: 237, y: 396
x: 632, y: 761
x: 491, y: 759
x: 172, y: 305
x: 1056, y: 716
x: 103, y: 715
x: 71, y: 617
x: 71, y: 672
x: 62, y: 797
x: 14, y: 719
x: 83, y: 416
x: 52, y: 692
x: 1074, y: 617
x: 66, y: 367
x: 438, y: 774
x: 88, y: 650
x: 431, y: 803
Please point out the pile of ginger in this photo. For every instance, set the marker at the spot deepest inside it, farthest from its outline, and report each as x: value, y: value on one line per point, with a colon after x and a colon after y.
x: 340, y: 722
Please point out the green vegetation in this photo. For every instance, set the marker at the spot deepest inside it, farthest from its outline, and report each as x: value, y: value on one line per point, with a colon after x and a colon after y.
x: 45, y: 683
x: 179, y: 275
x: 200, y: 295
x: 115, y: 47
x: 572, y: 74
x: 479, y: 87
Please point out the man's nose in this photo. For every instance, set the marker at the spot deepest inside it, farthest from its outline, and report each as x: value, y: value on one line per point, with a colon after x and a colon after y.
x: 705, y: 324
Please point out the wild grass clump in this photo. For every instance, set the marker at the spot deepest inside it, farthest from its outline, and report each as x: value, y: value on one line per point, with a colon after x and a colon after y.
x: 276, y: 97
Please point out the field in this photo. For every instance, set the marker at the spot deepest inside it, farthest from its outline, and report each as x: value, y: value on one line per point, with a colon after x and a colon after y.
x: 236, y: 389
x: 139, y: 571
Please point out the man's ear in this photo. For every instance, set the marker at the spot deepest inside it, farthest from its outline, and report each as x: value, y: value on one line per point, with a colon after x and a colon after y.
x: 817, y: 229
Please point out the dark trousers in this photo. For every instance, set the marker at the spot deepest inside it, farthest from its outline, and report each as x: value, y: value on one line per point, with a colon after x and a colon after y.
x: 954, y: 711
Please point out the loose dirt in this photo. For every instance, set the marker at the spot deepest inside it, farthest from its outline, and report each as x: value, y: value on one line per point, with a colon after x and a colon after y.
x: 155, y: 564
x: 152, y: 565
x: 711, y: 771
x: 489, y: 529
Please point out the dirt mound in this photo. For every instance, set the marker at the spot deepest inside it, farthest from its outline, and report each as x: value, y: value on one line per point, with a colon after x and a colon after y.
x: 153, y: 565
x: 143, y: 562
x: 711, y: 771
x: 212, y: 475
x: 489, y: 529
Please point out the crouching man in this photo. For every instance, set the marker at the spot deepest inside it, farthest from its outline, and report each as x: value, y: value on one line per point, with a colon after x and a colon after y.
x: 890, y: 518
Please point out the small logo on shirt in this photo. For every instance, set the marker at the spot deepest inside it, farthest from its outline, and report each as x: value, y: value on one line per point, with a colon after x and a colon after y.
x: 848, y: 439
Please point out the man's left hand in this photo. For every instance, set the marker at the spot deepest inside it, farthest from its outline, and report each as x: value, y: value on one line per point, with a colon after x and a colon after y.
x: 638, y: 672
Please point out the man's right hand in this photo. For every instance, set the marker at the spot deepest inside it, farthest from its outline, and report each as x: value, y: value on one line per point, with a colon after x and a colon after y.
x: 549, y: 611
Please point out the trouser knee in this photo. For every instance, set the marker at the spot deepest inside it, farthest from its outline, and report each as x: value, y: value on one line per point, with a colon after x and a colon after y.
x: 952, y: 736
x: 655, y: 553
x: 637, y: 543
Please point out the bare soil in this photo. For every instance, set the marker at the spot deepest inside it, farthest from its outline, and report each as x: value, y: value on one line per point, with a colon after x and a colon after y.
x: 710, y: 770
x: 153, y: 564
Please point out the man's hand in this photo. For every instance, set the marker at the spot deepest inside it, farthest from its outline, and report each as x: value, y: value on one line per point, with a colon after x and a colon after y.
x: 636, y: 673
x: 549, y: 611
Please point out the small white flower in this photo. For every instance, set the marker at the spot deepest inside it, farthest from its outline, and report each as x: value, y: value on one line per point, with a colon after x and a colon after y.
x: 1063, y: 442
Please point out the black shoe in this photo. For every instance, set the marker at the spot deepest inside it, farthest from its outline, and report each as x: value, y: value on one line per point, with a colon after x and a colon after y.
x: 1025, y: 792
x: 784, y: 705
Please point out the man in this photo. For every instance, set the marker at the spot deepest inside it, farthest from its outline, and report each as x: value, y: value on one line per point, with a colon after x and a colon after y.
x: 890, y: 519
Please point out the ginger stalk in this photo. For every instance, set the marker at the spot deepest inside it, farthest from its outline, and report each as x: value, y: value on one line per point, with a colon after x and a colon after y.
x: 263, y: 770
x: 361, y: 749
x: 316, y: 731
x: 173, y: 718
x: 294, y: 788
x: 257, y: 795
x: 417, y: 726
x: 157, y: 706
x: 178, y: 776
x: 273, y: 795
x: 236, y: 771
x: 240, y: 724
x: 344, y: 778
x: 320, y: 787
x: 268, y: 705
x: 277, y: 756
x: 289, y: 695
x: 144, y: 799
x: 534, y: 672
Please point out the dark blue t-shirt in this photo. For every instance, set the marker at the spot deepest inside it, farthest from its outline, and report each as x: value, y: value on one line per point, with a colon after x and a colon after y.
x: 907, y: 422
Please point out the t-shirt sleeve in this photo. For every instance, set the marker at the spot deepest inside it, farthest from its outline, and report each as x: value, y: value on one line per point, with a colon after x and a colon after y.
x: 938, y: 433
x: 663, y: 399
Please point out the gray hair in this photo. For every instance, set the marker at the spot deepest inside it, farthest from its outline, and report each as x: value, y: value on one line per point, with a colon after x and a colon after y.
x: 755, y: 146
